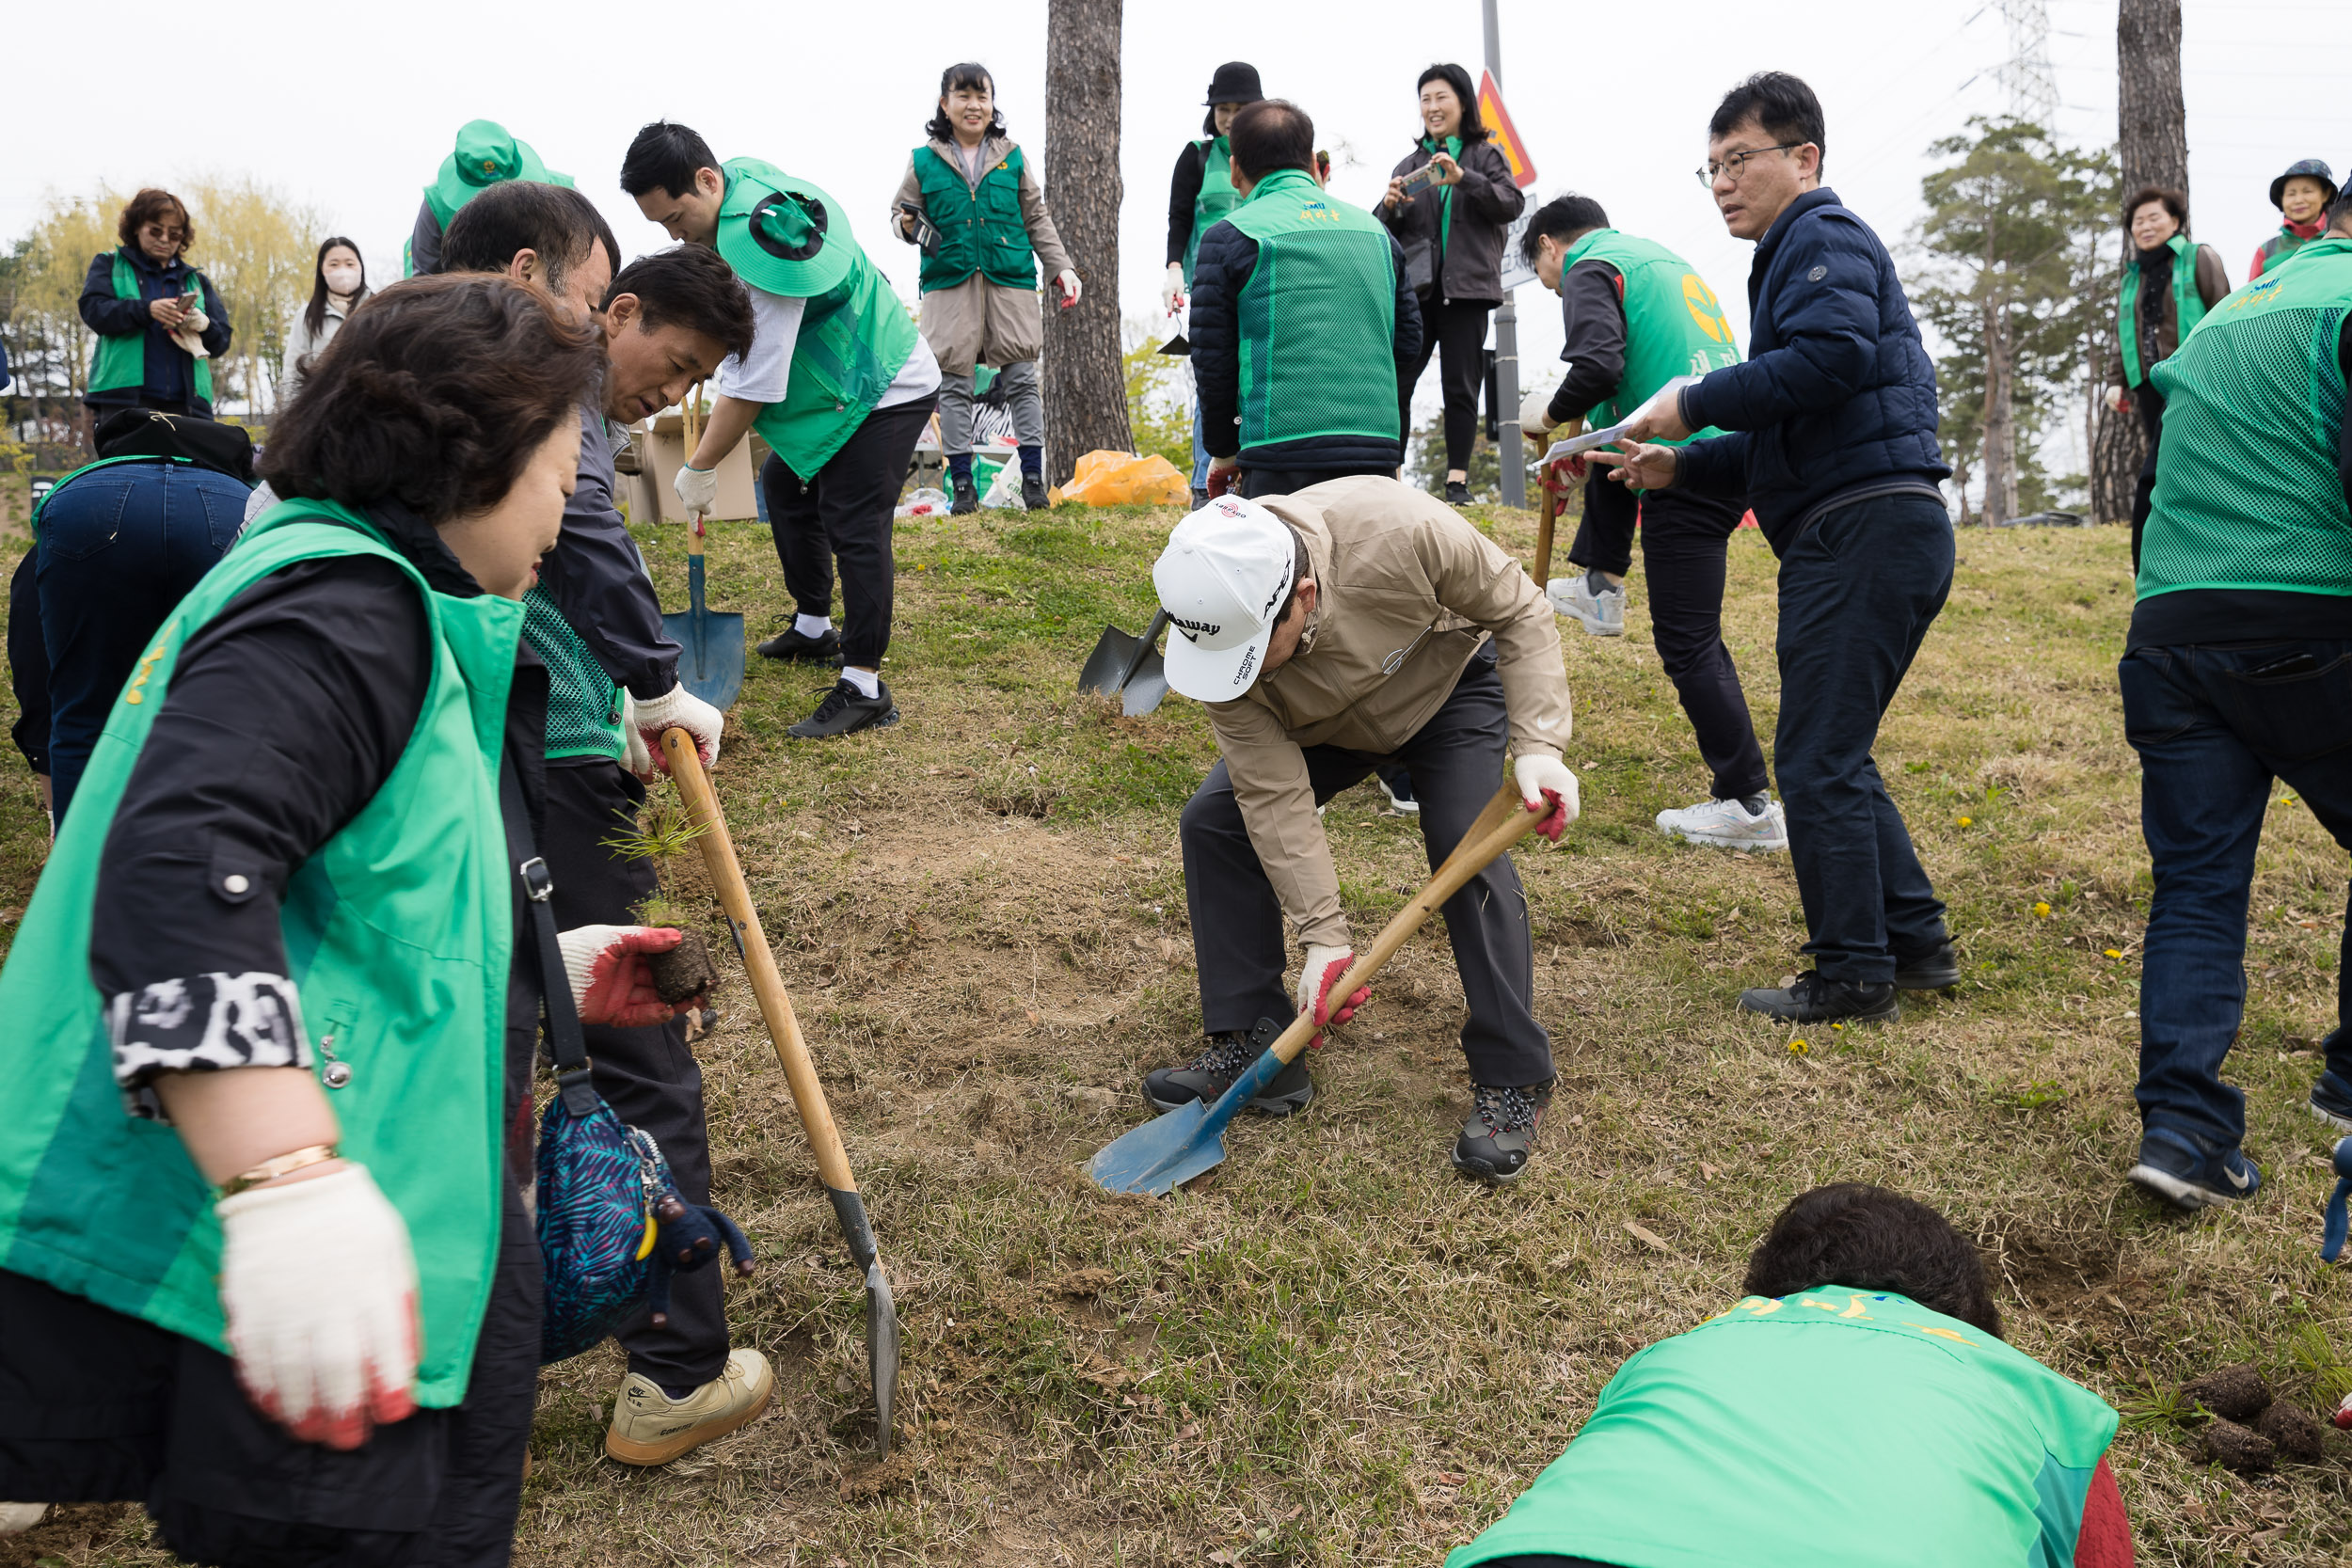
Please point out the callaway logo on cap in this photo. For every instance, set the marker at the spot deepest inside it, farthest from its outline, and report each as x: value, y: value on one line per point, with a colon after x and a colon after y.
x: 1225, y: 572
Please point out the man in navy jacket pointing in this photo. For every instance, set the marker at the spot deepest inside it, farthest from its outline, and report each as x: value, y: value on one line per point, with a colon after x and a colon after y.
x: 1833, y: 422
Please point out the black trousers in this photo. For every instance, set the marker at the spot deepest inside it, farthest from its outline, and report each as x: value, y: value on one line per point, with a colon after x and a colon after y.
x: 2151, y: 404
x: 98, y: 1407
x: 1685, y: 541
x: 1456, y: 761
x: 28, y: 665
x: 1454, y: 332
x: 648, y: 1076
x: 843, y: 515
x: 1282, y: 482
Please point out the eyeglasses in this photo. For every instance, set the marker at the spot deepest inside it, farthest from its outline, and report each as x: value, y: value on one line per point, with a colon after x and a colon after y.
x: 163, y: 232
x: 1736, y: 162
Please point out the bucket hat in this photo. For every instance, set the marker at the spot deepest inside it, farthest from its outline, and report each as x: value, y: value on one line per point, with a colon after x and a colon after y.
x: 2316, y: 169
x: 486, y: 154
x: 1235, y: 82
x: 782, y: 233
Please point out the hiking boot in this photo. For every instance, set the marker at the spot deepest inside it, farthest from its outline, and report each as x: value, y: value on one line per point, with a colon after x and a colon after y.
x: 2192, y: 1172
x: 824, y: 648
x: 1207, y: 1076
x: 1400, y: 792
x: 1033, y: 495
x: 1583, y: 597
x: 967, y: 495
x: 847, y: 710
x: 651, y: 1428
x: 1456, y: 493
x: 2332, y: 1101
x: 1501, y: 1133
x: 1937, y: 968
x: 1727, y: 825
x: 1814, y: 1000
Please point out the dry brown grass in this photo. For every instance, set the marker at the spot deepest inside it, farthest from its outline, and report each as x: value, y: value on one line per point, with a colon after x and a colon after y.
x: 1337, y: 1351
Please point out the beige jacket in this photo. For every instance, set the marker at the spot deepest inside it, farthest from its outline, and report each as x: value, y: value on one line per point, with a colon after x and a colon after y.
x: 976, y: 321
x: 1403, y: 581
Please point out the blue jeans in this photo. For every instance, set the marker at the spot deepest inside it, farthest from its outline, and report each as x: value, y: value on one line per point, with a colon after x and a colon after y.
x: 2213, y: 727
x: 1858, y: 591
x: 1200, y: 451
x: 118, y: 548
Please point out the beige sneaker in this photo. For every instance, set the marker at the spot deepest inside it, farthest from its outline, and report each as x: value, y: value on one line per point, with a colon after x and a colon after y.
x: 16, y: 1518
x: 651, y: 1428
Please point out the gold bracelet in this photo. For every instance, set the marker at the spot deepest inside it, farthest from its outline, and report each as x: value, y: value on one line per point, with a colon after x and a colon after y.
x: 284, y: 1164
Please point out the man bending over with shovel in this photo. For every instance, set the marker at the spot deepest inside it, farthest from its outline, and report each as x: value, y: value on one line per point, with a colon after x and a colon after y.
x: 1347, y: 625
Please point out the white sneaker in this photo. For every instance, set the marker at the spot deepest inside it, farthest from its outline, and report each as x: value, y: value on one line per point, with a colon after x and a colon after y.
x: 16, y: 1518
x: 1603, y: 613
x: 650, y: 1428
x: 1726, y: 825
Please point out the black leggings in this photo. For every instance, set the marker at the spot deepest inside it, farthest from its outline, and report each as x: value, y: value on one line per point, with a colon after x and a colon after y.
x: 1454, y: 331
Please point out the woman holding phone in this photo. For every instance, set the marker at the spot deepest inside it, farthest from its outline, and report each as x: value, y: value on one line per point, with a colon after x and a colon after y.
x: 158, y: 319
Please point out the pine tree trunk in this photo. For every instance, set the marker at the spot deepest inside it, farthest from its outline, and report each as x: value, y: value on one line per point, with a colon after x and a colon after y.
x: 2154, y: 126
x: 1086, y: 396
x: 2000, y: 414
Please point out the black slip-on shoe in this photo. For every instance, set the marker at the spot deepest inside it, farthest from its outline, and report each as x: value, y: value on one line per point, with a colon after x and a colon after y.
x: 967, y: 497
x: 1456, y: 493
x: 1208, y: 1075
x: 1814, y: 1000
x: 1929, y: 971
x: 847, y: 710
x: 1033, y: 495
x: 824, y: 648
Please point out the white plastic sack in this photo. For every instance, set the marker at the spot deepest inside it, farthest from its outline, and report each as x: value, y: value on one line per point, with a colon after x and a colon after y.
x: 925, y: 503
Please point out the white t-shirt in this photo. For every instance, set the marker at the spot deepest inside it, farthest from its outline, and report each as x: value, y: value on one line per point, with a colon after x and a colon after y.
x: 776, y: 328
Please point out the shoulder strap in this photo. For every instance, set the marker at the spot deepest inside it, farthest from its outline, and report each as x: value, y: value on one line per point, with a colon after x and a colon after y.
x: 555, y: 987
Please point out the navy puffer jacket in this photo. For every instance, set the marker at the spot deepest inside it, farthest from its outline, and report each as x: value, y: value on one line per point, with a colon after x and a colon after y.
x: 1836, y: 399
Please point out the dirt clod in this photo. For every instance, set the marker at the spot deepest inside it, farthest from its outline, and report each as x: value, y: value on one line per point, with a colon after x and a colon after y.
x: 1082, y: 1284
x: 2294, y: 1432
x: 2233, y: 1448
x: 864, y: 1482
x: 2235, y: 1393
x: 684, y: 970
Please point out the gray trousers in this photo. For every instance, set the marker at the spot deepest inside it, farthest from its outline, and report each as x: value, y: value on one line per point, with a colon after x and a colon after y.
x: 1022, y: 397
x: 1456, y: 762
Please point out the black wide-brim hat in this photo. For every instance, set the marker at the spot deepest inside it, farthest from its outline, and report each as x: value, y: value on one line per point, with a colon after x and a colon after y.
x: 1235, y: 82
x: 2316, y: 169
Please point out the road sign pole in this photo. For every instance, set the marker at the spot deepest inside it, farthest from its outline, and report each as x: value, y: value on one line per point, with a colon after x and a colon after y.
x: 1511, y: 450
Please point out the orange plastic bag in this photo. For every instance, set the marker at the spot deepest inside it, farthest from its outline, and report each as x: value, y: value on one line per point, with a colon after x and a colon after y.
x: 1122, y: 479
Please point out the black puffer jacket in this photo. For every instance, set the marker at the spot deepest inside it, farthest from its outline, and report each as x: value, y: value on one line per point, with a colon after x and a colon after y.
x: 1485, y: 203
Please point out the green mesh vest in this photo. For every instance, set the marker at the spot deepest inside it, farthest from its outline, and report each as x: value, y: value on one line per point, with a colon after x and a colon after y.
x: 2248, y: 495
x: 122, y: 360
x: 1317, y: 317
x: 1673, y: 324
x: 1217, y: 197
x: 980, y: 229
x: 584, y: 705
x: 2188, y: 306
x: 1833, y: 1426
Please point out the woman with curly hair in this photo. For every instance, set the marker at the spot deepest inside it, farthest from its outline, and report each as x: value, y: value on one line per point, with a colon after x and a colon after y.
x: 158, y: 319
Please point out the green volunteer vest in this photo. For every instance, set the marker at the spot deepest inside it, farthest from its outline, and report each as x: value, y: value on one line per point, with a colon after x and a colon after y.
x: 121, y: 359
x: 1673, y: 324
x: 2247, y: 490
x: 2188, y: 306
x: 855, y: 337
x: 981, y: 228
x: 1317, y: 317
x: 1217, y: 197
x: 1819, y: 1427
x: 398, y: 936
x: 584, y: 705
x: 2285, y: 243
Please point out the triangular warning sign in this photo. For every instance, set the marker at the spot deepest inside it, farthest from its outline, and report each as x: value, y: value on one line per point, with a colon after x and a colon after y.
x: 1504, y: 135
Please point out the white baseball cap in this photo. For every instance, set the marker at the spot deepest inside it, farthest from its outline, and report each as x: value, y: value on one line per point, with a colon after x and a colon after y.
x: 1225, y: 572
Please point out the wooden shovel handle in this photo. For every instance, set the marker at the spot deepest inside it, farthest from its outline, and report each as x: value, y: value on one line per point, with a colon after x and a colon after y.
x: 735, y: 897
x: 1543, y: 535
x: 1503, y: 823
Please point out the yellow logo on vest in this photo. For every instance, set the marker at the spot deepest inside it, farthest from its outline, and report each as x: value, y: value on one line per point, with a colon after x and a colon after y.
x: 1705, y: 308
x: 147, y: 668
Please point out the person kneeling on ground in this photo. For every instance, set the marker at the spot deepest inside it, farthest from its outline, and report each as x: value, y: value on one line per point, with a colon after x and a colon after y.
x: 274, y: 1005
x: 1347, y: 625
x: 1857, y: 1406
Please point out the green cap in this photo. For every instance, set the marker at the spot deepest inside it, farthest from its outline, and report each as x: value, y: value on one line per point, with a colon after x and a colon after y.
x: 781, y: 234
x: 486, y: 155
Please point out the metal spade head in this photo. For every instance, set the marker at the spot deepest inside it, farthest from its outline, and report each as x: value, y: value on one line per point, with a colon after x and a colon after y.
x: 1165, y: 1153
x: 1145, y: 688
x: 881, y: 1349
x: 1128, y: 667
x: 710, y: 644
x: 1113, y: 652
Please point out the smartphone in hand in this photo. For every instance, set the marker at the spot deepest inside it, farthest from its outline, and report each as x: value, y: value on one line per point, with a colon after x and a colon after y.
x: 1423, y: 177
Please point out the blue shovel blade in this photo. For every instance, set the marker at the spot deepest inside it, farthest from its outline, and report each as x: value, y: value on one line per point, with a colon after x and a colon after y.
x: 1165, y: 1153
x: 711, y: 661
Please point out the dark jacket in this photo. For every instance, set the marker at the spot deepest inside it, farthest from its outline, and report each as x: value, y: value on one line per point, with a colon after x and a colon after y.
x: 424, y: 242
x: 1227, y: 259
x: 1184, y: 196
x: 1593, y: 334
x: 1485, y: 203
x: 170, y: 368
x: 1835, y: 401
x: 597, y: 579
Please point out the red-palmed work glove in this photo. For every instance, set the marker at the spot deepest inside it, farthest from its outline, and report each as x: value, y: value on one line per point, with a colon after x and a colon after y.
x: 1547, y: 786
x: 1327, y: 967
x: 319, y: 1287
x: 612, y: 983
x: 678, y: 709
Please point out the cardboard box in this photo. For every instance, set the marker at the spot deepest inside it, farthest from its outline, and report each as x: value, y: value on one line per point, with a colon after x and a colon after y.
x: 661, y: 447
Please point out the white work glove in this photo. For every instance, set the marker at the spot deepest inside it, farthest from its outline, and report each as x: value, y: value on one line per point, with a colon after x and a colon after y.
x: 1535, y: 413
x: 320, y: 1289
x: 681, y: 709
x: 612, y: 983
x: 1067, y: 282
x: 1327, y: 967
x: 638, y: 758
x: 1545, y: 784
x: 1172, y: 287
x: 697, y: 490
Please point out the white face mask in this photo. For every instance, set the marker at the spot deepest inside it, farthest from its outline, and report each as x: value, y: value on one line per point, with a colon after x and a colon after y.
x: 342, y: 280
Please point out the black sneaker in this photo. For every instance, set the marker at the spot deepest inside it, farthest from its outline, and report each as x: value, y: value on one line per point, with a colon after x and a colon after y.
x: 1032, y: 491
x: 847, y: 710
x: 1456, y: 493
x: 1501, y: 1133
x: 2192, y: 1172
x: 824, y: 648
x: 1929, y: 971
x: 967, y: 495
x: 2332, y: 1101
x: 1200, y: 499
x: 1210, y: 1075
x: 1814, y: 1000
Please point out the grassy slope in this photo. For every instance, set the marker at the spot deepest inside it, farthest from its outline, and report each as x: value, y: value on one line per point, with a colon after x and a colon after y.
x: 1339, y: 1352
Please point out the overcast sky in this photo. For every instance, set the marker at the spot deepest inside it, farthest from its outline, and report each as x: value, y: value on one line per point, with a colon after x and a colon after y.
x: 355, y: 117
